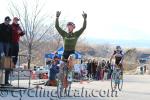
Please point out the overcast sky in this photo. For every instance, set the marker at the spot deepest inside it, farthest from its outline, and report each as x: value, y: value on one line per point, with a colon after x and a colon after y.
x: 107, y: 19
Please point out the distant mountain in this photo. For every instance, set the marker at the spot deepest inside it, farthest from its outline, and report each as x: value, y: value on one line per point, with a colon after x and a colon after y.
x: 124, y: 43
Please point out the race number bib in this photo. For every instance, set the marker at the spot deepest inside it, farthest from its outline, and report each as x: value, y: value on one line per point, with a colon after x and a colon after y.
x: 69, y: 77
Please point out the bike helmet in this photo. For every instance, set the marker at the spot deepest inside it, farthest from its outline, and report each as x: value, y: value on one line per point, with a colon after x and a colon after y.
x: 71, y: 23
x: 118, y: 48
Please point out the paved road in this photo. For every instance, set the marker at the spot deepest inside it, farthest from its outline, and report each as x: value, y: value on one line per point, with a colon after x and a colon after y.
x: 136, y: 87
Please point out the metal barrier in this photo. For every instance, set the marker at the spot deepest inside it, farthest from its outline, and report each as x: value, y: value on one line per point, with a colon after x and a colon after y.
x: 7, y: 64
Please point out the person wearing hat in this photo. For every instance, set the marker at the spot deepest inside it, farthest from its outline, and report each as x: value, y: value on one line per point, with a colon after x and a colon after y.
x: 5, y: 42
x: 70, y: 38
x: 5, y: 36
x: 16, y: 34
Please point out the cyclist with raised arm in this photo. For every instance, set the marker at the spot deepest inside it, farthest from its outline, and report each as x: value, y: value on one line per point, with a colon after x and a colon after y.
x: 70, y: 38
x: 118, y: 54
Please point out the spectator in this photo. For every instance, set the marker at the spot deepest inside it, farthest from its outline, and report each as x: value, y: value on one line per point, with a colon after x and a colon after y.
x: 109, y: 70
x: 141, y: 69
x: 94, y: 66
x: 16, y: 33
x: 98, y: 70
x: 56, y: 59
x: 5, y: 41
x: 83, y: 70
x: 145, y: 68
x: 81, y: 61
x: 53, y: 71
x: 103, y: 64
x: 105, y: 72
x: 89, y: 66
x: 77, y: 71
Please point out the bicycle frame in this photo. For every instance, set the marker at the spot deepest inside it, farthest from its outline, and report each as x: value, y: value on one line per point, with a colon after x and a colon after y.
x: 63, y: 81
x: 117, y: 79
x: 117, y: 73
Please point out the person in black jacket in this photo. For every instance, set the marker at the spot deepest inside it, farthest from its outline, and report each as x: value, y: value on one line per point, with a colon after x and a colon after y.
x: 89, y: 67
x: 5, y: 42
x: 5, y: 36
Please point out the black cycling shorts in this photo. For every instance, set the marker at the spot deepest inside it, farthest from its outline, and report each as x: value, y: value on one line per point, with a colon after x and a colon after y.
x: 66, y: 54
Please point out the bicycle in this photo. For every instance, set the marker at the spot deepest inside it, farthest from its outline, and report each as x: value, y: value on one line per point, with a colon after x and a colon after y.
x: 60, y: 79
x: 117, y: 79
x: 64, y: 80
x: 59, y: 88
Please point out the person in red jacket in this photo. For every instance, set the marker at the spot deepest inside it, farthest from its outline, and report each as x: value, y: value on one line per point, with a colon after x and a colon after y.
x: 16, y: 34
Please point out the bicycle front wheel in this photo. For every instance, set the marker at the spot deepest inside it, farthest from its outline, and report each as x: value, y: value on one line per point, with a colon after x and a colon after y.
x: 120, y: 85
x: 113, y: 83
x: 59, y: 89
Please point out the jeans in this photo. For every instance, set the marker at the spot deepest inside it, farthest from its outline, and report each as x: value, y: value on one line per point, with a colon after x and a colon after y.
x: 66, y: 54
x: 4, y: 49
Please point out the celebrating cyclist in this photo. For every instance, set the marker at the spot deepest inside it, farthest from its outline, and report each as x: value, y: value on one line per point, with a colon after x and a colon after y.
x: 70, y: 38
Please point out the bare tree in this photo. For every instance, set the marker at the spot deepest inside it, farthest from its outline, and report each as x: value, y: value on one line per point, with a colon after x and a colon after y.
x: 58, y: 40
x: 33, y: 22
